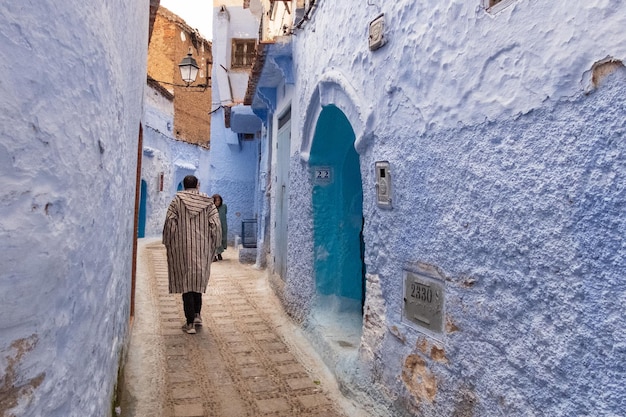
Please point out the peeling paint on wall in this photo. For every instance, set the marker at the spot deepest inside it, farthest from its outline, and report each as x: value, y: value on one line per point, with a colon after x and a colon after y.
x: 418, y: 379
x: 373, y: 319
x: 438, y: 354
x: 12, y: 390
x: 397, y: 333
x: 450, y: 326
x: 599, y: 71
x: 434, y: 351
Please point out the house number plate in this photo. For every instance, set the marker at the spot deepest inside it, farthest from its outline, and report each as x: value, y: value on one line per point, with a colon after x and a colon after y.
x: 322, y: 175
x: 424, y: 300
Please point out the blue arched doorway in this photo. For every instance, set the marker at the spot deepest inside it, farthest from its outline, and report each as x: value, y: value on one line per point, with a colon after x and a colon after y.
x: 141, y: 227
x: 337, y: 204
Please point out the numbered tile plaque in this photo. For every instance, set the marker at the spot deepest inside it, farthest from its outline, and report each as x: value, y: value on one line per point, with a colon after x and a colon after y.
x: 424, y: 293
x: 322, y: 175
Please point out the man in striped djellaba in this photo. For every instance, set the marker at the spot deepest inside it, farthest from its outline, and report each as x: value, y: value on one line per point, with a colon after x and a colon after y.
x: 191, y: 234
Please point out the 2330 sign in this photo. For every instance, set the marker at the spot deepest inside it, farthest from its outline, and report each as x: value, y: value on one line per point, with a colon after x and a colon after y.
x: 421, y: 292
x: 424, y: 293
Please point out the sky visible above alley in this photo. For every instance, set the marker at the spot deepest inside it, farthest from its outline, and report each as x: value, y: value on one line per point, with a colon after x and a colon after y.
x: 196, y: 13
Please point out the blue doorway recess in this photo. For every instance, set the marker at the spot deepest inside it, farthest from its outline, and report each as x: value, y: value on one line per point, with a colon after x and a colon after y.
x: 337, y: 210
x: 141, y: 229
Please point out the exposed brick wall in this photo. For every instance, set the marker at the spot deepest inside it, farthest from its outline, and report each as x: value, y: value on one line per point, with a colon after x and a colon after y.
x: 168, y: 47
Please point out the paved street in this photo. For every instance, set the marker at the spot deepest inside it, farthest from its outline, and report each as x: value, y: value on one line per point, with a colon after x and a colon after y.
x: 248, y: 359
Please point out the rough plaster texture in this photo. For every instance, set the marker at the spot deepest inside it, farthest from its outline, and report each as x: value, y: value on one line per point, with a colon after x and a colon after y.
x: 508, y: 163
x: 71, y: 104
x: 299, y: 293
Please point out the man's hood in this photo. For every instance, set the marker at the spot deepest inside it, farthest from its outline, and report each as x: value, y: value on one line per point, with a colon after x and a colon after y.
x: 195, y: 202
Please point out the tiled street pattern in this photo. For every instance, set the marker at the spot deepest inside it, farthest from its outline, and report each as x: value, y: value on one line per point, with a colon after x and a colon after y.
x: 237, y: 364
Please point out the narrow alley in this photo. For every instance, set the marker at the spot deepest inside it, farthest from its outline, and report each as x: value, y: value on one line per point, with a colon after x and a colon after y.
x: 434, y: 191
x: 247, y: 359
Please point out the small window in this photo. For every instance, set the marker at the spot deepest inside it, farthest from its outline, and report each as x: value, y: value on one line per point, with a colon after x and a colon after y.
x: 243, y: 53
x: 249, y: 136
x: 246, y: 136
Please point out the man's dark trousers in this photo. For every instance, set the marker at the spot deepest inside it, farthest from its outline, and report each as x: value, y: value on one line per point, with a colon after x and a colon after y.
x: 192, y: 304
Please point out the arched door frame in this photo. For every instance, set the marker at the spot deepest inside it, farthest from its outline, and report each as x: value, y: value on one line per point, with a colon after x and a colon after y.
x: 333, y: 88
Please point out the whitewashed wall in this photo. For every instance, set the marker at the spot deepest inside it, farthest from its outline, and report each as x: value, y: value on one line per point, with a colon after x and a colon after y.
x: 508, y: 167
x: 73, y: 75
x: 230, y: 20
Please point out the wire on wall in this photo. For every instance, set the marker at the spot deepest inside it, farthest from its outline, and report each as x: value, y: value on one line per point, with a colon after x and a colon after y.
x: 306, y: 17
x: 216, y: 109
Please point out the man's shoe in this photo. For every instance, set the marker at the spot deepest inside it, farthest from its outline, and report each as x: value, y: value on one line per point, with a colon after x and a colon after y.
x: 189, y: 328
x: 219, y: 256
x: 198, y: 320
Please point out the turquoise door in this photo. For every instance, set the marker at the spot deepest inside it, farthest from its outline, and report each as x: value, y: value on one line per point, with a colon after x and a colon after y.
x: 141, y: 229
x: 337, y: 203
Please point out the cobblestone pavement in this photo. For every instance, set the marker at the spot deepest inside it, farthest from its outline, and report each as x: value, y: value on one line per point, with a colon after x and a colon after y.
x: 242, y: 361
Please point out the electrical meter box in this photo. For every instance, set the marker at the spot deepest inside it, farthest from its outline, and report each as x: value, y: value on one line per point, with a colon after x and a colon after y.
x: 377, y: 33
x: 383, y: 184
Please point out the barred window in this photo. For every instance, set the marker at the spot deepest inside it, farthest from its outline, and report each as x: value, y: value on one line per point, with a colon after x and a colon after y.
x: 243, y: 53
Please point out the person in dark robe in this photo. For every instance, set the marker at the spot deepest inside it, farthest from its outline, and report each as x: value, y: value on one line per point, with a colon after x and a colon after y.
x: 222, y: 209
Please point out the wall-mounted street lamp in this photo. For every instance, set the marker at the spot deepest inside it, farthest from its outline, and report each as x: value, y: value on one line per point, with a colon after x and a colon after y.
x: 189, y: 71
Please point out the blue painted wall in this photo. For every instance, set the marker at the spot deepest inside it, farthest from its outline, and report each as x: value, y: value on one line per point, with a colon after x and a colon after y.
x: 505, y: 136
x: 508, y: 166
x: 232, y: 173
x: 68, y: 165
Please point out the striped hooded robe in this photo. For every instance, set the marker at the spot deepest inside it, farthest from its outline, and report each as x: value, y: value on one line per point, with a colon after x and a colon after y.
x: 191, y: 234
